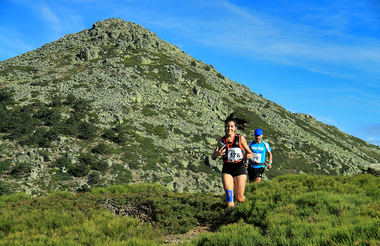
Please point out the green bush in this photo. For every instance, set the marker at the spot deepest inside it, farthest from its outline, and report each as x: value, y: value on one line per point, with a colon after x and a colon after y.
x: 160, y: 131
x: 219, y: 75
x: 90, y: 160
x: 21, y: 169
x: 5, y: 166
x: 87, y: 131
x: 116, y: 134
x: 84, y: 188
x: 66, y: 219
x: 56, y: 101
x: 102, y: 149
x: 4, y: 189
x: 61, y: 162
x: 289, y: 210
x: 173, y: 213
x: 69, y: 127
x: 236, y: 234
x: 123, y: 175
x: 310, y: 210
x: 18, y: 123
x: 42, y: 137
x: 59, y: 177
x: 147, y: 111
x: 40, y: 124
x: 78, y: 169
x: 50, y: 116
x: 6, y: 97
x: 94, y: 179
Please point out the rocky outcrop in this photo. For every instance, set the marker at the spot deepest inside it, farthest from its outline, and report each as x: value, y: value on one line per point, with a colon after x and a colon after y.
x: 373, y: 169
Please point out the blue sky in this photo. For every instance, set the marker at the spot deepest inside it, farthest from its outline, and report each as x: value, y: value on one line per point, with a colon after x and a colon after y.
x: 316, y: 57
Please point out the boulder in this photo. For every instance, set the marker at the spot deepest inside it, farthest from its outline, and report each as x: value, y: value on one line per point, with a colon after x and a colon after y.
x: 373, y: 169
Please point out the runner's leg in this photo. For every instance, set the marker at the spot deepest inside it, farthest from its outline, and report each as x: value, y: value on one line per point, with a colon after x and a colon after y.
x: 240, y: 182
x: 228, y: 184
x: 257, y: 179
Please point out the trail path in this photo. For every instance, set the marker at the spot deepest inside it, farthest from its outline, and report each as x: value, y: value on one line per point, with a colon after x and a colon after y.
x: 186, y: 237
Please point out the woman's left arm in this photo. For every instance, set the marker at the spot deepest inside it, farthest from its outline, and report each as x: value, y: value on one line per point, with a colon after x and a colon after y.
x: 249, y: 153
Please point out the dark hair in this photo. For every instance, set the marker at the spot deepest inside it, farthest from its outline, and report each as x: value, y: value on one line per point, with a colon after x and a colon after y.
x: 240, y: 123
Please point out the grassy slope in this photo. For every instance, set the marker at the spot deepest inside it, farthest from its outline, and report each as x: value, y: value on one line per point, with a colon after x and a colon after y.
x: 290, y: 210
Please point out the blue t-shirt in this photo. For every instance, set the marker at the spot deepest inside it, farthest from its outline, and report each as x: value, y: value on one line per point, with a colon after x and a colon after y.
x: 259, y: 153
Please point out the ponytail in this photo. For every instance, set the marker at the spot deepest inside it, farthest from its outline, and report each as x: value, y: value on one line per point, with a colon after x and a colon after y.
x: 239, y: 122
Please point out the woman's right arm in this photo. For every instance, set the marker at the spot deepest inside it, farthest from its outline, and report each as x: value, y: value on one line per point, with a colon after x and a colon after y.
x: 218, y: 151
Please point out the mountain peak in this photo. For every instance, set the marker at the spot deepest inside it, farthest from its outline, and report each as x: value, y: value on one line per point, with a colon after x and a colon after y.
x: 118, y: 33
x: 118, y: 28
x: 114, y: 103
x: 114, y: 24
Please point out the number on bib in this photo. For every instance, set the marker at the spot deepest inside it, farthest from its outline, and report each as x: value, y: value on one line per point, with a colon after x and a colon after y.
x: 257, y: 157
x: 235, y: 155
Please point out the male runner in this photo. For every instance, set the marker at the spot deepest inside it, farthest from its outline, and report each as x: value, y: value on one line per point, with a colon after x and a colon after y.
x: 260, y: 149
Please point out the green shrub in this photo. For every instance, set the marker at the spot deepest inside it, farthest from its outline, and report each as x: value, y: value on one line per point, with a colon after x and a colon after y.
x: 59, y: 177
x: 174, y: 213
x: 109, y: 134
x: 289, y: 210
x: 42, y: 137
x: 147, y: 111
x: 78, y: 169
x: 236, y: 234
x: 5, y: 166
x: 18, y: 122
x: 132, y: 157
x: 160, y: 131
x: 87, y: 131
x: 219, y: 75
x: 66, y: 219
x: 116, y: 134
x: 204, y: 84
x: 56, y: 101
x: 4, y: 189
x: 102, y: 149
x: 61, y: 162
x: 303, y: 209
x: 40, y: 124
x: 84, y: 188
x: 124, y: 175
x: 21, y: 169
x: 90, y: 160
x: 6, y: 97
x: 69, y: 127
x: 50, y: 116
x: 94, y: 179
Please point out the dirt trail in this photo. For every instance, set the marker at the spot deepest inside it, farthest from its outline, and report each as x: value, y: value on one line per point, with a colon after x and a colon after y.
x: 186, y: 237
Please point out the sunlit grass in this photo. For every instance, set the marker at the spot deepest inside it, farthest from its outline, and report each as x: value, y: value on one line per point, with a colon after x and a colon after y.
x: 290, y: 210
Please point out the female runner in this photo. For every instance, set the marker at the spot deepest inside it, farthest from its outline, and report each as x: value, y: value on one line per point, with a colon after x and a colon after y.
x: 234, y: 149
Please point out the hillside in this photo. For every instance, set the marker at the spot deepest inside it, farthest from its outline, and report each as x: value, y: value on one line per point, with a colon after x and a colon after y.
x: 116, y: 104
x: 290, y: 210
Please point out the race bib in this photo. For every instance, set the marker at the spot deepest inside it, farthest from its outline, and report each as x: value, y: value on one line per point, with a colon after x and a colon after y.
x: 234, y: 155
x: 256, y: 157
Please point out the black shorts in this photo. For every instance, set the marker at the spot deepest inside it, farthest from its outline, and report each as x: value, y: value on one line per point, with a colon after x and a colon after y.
x: 234, y: 169
x: 255, y: 172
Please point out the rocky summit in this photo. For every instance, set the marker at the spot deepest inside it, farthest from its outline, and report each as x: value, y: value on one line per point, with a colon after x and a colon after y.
x: 116, y: 104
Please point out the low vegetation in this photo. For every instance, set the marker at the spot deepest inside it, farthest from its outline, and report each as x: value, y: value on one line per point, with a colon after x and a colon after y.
x: 39, y: 124
x: 289, y: 210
